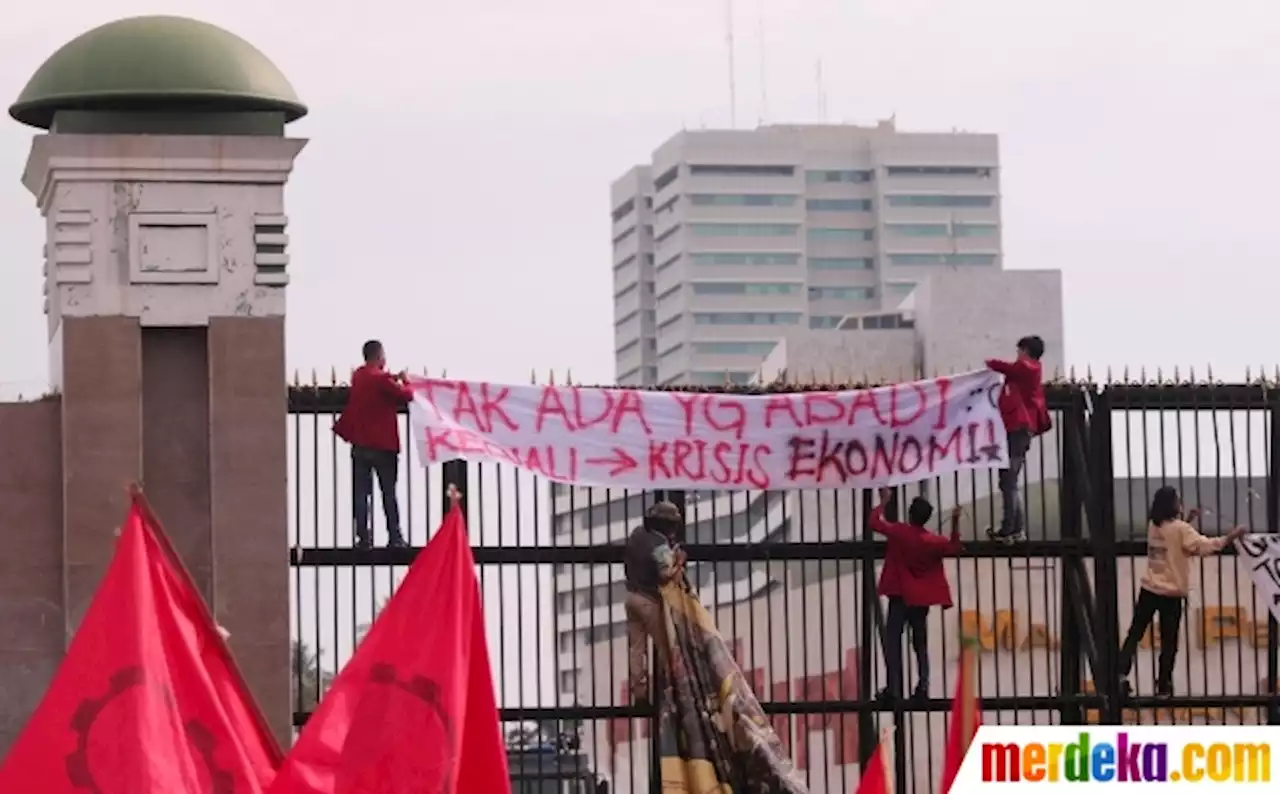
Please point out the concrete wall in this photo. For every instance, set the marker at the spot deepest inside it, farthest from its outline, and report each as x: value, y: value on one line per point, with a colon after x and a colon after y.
x: 32, y: 633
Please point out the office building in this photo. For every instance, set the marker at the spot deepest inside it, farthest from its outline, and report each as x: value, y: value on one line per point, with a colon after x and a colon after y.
x: 730, y: 238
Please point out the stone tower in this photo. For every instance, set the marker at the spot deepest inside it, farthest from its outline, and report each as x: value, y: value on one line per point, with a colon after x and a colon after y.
x: 161, y: 179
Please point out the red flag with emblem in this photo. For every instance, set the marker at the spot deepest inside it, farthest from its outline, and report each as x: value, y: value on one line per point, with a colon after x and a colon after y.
x: 966, y: 716
x: 414, y: 708
x: 148, y: 699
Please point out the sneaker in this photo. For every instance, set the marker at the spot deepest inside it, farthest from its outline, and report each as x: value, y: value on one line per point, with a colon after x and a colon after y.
x: 921, y: 691
x: 363, y: 542
x: 884, y: 695
x: 1164, y: 691
x: 1126, y: 689
x: 1006, y: 535
x: 396, y: 541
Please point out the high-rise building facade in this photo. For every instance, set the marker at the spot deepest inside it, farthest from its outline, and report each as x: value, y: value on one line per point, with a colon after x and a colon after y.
x: 730, y: 238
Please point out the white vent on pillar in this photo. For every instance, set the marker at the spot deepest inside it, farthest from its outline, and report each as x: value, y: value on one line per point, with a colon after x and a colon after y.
x: 269, y: 250
x: 72, y: 236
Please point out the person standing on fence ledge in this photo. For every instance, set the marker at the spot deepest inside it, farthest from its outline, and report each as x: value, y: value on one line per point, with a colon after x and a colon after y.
x: 913, y: 580
x: 712, y: 735
x: 1171, y: 542
x: 370, y: 424
x: 1025, y: 415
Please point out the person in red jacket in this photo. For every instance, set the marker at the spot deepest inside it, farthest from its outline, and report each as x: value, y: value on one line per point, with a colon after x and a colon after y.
x: 913, y: 579
x: 1025, y: 416
x: 370, y: 423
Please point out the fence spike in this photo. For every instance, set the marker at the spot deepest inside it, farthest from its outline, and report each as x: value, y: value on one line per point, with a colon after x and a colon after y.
x: 425, y: 374
x: 1088, y: 373
x: 1142, y: 375
x: 333, y: 376
x: 533, y: 377
x: 1057, y: 373
x: 568, y: 377
x: 1071, y: 374
x: 1109, y: 379
x: 296, y: 381
x: 813, y: 376
x: 831, y: 373
x: 1176, y: 374
x: 1192, y: 375
x: 1275, y: 378
x: 1159, y: 376
x: 1248, y: 374
x: 314, y: 380
x: 444, y: 374
x: 1209, y: 373
x: 1124, y: 376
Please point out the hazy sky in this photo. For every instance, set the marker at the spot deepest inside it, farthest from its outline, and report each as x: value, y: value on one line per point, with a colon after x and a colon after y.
x: 461, y: 153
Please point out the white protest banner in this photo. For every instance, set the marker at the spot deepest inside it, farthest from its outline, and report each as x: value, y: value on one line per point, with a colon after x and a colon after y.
x: 1260, y: 554
x: 701, y: 441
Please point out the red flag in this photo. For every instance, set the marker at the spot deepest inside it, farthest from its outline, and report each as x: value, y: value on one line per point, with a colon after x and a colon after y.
x: 877, y: 774
x: 966, y: 716
x: 148, y: 699
x: 414, y: 709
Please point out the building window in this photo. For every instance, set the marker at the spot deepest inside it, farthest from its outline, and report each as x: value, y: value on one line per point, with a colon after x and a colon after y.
x: 624, y: 235
x: 629, y: 346
x: 624, y: 209
x: 742, y: 170
x: 627, y: 290
x: 942, y: 259
x: 938, y: 170
x: 670, y: 321
x: 825, y: 321
x: 666, y: 178
x: 667, y: 234
x: 745, y: 288
x: 568, y: 680
x: 907, y: 200
x: 747, y: 200
x: 667, y: 263
x: 733, y: 348
x: 919, y: 229
x: 670, y: 293
x: 625, y: 262
x: 629, y: 374
x: 566, y: 641
x: 841, y: 293
x: 838, y: 205
x: 744, y: 229
x: 745, y: 259
x: 886, y: 322
x: 900, y: 287
x: 625, y: 319
x: 746, y: 318
x: 671, y: 351
x: 709, y: 378
x: 840, y: 234
x: 974, y: 229
x: 827, y: 177
x: 667, y: 206
x: 841, y: 262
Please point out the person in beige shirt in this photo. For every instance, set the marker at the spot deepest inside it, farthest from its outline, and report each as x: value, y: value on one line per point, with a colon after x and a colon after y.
x: 1171, y: 543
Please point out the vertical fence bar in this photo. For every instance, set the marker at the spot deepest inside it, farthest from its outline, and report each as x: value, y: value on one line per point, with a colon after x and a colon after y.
x: 1069, y: 499
x: 1102, y: 533
x: 1273, y: 526
x: 867, y: 737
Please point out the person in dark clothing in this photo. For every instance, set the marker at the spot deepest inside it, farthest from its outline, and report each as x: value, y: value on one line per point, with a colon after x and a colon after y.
x: 1025, y: 415
x: 913, y: 579
x: 370, y: 424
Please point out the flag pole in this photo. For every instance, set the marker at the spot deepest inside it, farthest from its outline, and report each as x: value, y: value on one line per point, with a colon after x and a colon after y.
x: 152, y: 522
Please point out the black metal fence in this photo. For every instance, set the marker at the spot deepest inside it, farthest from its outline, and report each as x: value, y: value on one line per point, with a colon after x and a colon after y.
x: 791, y: 577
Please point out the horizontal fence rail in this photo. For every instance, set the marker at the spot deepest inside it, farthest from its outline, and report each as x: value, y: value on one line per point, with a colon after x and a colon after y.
x: 790, y: 578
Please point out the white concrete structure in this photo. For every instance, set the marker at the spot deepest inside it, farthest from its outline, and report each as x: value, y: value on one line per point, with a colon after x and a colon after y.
x: 730, y: 238
x: 171, y: 229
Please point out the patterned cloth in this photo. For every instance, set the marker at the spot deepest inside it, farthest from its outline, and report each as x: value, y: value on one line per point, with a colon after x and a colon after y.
x: 712, y: 734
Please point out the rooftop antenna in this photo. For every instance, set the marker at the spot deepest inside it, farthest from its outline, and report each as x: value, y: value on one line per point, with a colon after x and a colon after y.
x: 733, y: 86
x: 764, y: 82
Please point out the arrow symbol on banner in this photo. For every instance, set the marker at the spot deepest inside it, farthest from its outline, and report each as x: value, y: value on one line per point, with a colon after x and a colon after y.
x: 620, y: 462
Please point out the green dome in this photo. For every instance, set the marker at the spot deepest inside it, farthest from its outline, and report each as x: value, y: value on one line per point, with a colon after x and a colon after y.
x: 156, y: 63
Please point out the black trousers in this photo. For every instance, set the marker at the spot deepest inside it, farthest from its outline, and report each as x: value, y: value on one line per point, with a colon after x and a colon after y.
x: 1013, y: 521
x: 1169, y: 608
x: 896, y: 621
x: 365, y: 463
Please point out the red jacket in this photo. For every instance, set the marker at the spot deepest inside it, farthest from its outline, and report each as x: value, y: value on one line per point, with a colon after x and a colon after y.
x: 371, y: 417
x: 1022, y: 403
x: 913, y: 562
